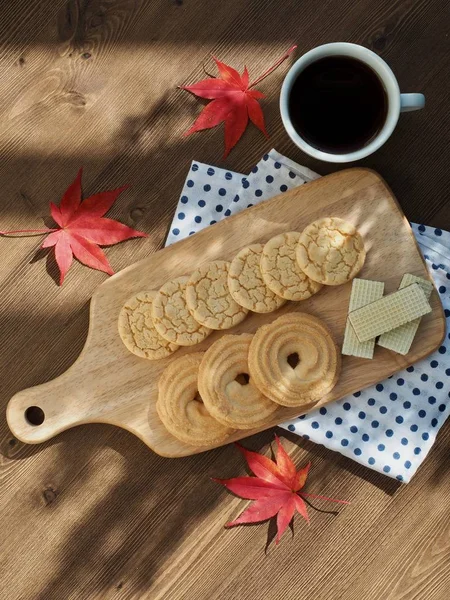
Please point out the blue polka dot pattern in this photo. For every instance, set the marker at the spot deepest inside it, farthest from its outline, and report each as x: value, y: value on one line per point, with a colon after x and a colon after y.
x: 219, y: 208
x: 355, y: 426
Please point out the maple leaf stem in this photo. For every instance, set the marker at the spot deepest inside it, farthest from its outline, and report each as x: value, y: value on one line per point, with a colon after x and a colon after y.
x: 273, y: 67
x: 323, y: 498
x: 38, y: 231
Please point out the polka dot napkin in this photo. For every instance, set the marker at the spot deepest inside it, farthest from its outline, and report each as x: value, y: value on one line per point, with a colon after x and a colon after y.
x: 389, y: 427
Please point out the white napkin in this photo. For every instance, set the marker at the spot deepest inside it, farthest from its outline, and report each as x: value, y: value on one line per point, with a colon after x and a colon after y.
x: 389, y: 427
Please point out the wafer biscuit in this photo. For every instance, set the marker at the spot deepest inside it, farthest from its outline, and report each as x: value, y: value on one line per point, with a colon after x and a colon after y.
x: 389, y: 312
x: 363, y: 292
x: 401, y: 338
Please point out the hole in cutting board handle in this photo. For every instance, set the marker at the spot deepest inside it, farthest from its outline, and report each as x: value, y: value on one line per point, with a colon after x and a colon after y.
x: 34, y: 415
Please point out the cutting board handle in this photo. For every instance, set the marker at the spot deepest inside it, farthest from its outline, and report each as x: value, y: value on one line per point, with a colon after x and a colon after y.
x: 39, y: 413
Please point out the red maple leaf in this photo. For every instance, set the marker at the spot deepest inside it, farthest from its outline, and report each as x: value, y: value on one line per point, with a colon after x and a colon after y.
x: 276, y: 489
x: 233, y: 101
x: 82, y: 228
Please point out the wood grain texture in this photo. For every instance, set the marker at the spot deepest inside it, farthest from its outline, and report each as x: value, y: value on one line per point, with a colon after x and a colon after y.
x: 93, y: 514
x: 108, y: 384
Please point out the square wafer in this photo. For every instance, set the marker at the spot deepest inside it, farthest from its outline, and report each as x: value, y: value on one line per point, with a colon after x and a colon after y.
x: 400, y: 339
x: 389, y: 312
x: 363, y: 292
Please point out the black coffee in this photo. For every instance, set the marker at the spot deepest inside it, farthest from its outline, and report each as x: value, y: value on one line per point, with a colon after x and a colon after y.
x: 338, y: 104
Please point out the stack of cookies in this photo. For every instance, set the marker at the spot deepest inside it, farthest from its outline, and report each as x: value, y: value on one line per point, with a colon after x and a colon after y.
x: 239, y: 382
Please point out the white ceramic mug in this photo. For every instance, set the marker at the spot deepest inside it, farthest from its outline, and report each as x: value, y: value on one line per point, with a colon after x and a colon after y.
x: 397, y: 102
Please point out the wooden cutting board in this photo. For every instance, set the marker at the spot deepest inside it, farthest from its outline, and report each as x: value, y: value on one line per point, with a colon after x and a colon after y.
x: 108, y: 384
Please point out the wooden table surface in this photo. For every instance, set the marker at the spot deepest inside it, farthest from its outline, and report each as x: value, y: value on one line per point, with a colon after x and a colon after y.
x: 94, y: 513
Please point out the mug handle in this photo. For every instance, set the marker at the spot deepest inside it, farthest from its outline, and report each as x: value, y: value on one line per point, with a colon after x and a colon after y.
x: 409, y: 102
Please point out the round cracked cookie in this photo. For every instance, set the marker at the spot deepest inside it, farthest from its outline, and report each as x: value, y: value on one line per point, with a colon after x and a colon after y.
x: 226, y: 388
x: 294, y: 360
x: 137, y: 330
x: 281, y: 271
x: 208, y: 297
x: 331, y: 251
x: 172, y: 319
x: 246, y: 282
x: 180, y: 407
